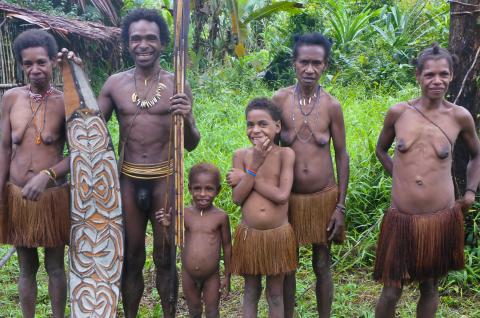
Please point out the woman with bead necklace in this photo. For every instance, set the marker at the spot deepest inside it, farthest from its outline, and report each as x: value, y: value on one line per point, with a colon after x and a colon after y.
x: 34, y: 200
x: 311, y: 119
x: 421, y: 236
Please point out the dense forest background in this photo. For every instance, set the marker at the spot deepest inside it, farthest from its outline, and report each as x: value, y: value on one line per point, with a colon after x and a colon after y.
x: 242, y: 49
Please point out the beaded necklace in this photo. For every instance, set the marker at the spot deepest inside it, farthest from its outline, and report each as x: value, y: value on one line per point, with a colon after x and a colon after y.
x: 42, y: 100
x: 297, y: 100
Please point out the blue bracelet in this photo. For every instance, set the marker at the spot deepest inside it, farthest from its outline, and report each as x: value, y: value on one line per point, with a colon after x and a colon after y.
x: 250, y: 172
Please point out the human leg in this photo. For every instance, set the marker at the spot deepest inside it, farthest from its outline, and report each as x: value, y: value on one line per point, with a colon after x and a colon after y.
x: 57, y: 281
x: 324, y: 282
x: 211, y: 295
x: 274, y: 293
x: 429, y: 299
x: 289, y: 289
x: 251, y: 296
x: 387, y: 302
x: 192, y: 294
x: 27, y: 282
x: 166, y: 278
x: 135, y: 222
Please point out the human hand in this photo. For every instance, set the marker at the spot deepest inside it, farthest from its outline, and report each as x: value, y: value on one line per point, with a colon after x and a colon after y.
x: 260, y: 151
x: 65, y: 55
x: 225, y: 286
x: 336, y: 226
x: 163, y: 218
x: 234, y: 176
x: 35, y: 187
x: 180, y: 104
x: 467, y: 201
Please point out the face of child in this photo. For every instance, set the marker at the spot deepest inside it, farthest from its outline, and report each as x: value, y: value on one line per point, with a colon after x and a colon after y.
x: 204, y: 189
x: 261, y: 126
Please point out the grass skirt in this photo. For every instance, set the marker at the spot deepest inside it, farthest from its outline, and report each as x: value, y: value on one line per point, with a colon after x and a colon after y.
x: 310, y: 214
x: 42, y: 223
x: 264, y: 252
x: 419, y: 247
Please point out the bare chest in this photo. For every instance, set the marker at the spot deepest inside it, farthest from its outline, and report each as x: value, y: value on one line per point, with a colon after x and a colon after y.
x: 305, y: 124
x: 45, y: 120
x: 416, y: 133
x: 202, y: 224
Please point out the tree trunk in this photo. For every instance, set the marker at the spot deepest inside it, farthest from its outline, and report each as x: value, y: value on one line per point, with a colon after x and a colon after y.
x: 464, y: 42
x: 200, y: 18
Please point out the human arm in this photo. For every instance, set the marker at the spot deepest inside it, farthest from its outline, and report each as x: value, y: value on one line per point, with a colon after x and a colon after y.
x: 6, y: 144
x: 36, y: 185
x: 182, y: 104
x: 227, y: 254
x: 281, y: 193
x: 234, y: 176
x: 337, y: 128
x: 242, y: 190
x: 386, y: 138
x: 469, y: 136
x: 104, y: 100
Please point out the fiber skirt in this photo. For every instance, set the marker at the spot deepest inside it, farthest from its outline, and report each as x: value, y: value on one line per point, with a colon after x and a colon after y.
x: 264, y: 252
x: 42, y: 223
x: 310, y: 214
x: 419, y: 247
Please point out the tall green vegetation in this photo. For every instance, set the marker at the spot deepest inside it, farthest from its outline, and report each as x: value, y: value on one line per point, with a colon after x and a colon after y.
x: 370, y: 69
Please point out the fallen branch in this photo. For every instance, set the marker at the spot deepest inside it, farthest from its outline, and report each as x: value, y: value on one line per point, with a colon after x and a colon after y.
x: 464, y: 4
x: 467, y: 75
x: 7, y: 257
x: 465, y: 12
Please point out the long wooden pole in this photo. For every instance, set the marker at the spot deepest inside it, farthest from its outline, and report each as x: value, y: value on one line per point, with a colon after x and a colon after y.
x: 182, y: 20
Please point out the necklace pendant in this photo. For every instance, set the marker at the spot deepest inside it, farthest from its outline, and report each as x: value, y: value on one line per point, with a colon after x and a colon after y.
x: 134, y: 97
x: 38, y: 140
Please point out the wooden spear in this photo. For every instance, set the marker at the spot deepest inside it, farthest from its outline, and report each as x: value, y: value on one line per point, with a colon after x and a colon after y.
x: 182, y: 20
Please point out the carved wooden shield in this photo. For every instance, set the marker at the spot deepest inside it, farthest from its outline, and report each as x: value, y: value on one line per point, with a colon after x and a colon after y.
x: 96, y: 236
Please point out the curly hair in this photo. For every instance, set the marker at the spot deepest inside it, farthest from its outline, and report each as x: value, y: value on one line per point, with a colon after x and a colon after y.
x: 148, y: 15
x: 434, y: 52
x: 265, y: 104
x: 207, y: 168
x: 35, y: 38
x: 314, y: 38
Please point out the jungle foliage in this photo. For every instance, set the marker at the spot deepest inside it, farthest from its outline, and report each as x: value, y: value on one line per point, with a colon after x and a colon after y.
x: 242, y: 49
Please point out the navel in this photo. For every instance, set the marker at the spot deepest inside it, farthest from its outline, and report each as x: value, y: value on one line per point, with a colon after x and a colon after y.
x: 418, y: 180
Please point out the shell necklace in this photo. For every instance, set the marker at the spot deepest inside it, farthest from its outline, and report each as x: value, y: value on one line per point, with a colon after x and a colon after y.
x: 144, y: 103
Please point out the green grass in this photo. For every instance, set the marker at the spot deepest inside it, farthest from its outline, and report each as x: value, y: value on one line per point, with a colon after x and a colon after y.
x: 220, y: 99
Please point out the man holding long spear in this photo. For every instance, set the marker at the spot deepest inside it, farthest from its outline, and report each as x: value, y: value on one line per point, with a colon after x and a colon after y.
x: 149, y: 112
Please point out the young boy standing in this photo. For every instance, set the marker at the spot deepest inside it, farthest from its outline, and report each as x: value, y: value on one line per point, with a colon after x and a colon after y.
x: 207, y: 229
x: 264, y: 241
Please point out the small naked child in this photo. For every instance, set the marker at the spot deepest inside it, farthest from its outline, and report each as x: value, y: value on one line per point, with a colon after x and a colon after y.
x: 207, y: 228
x: 264, y: 241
